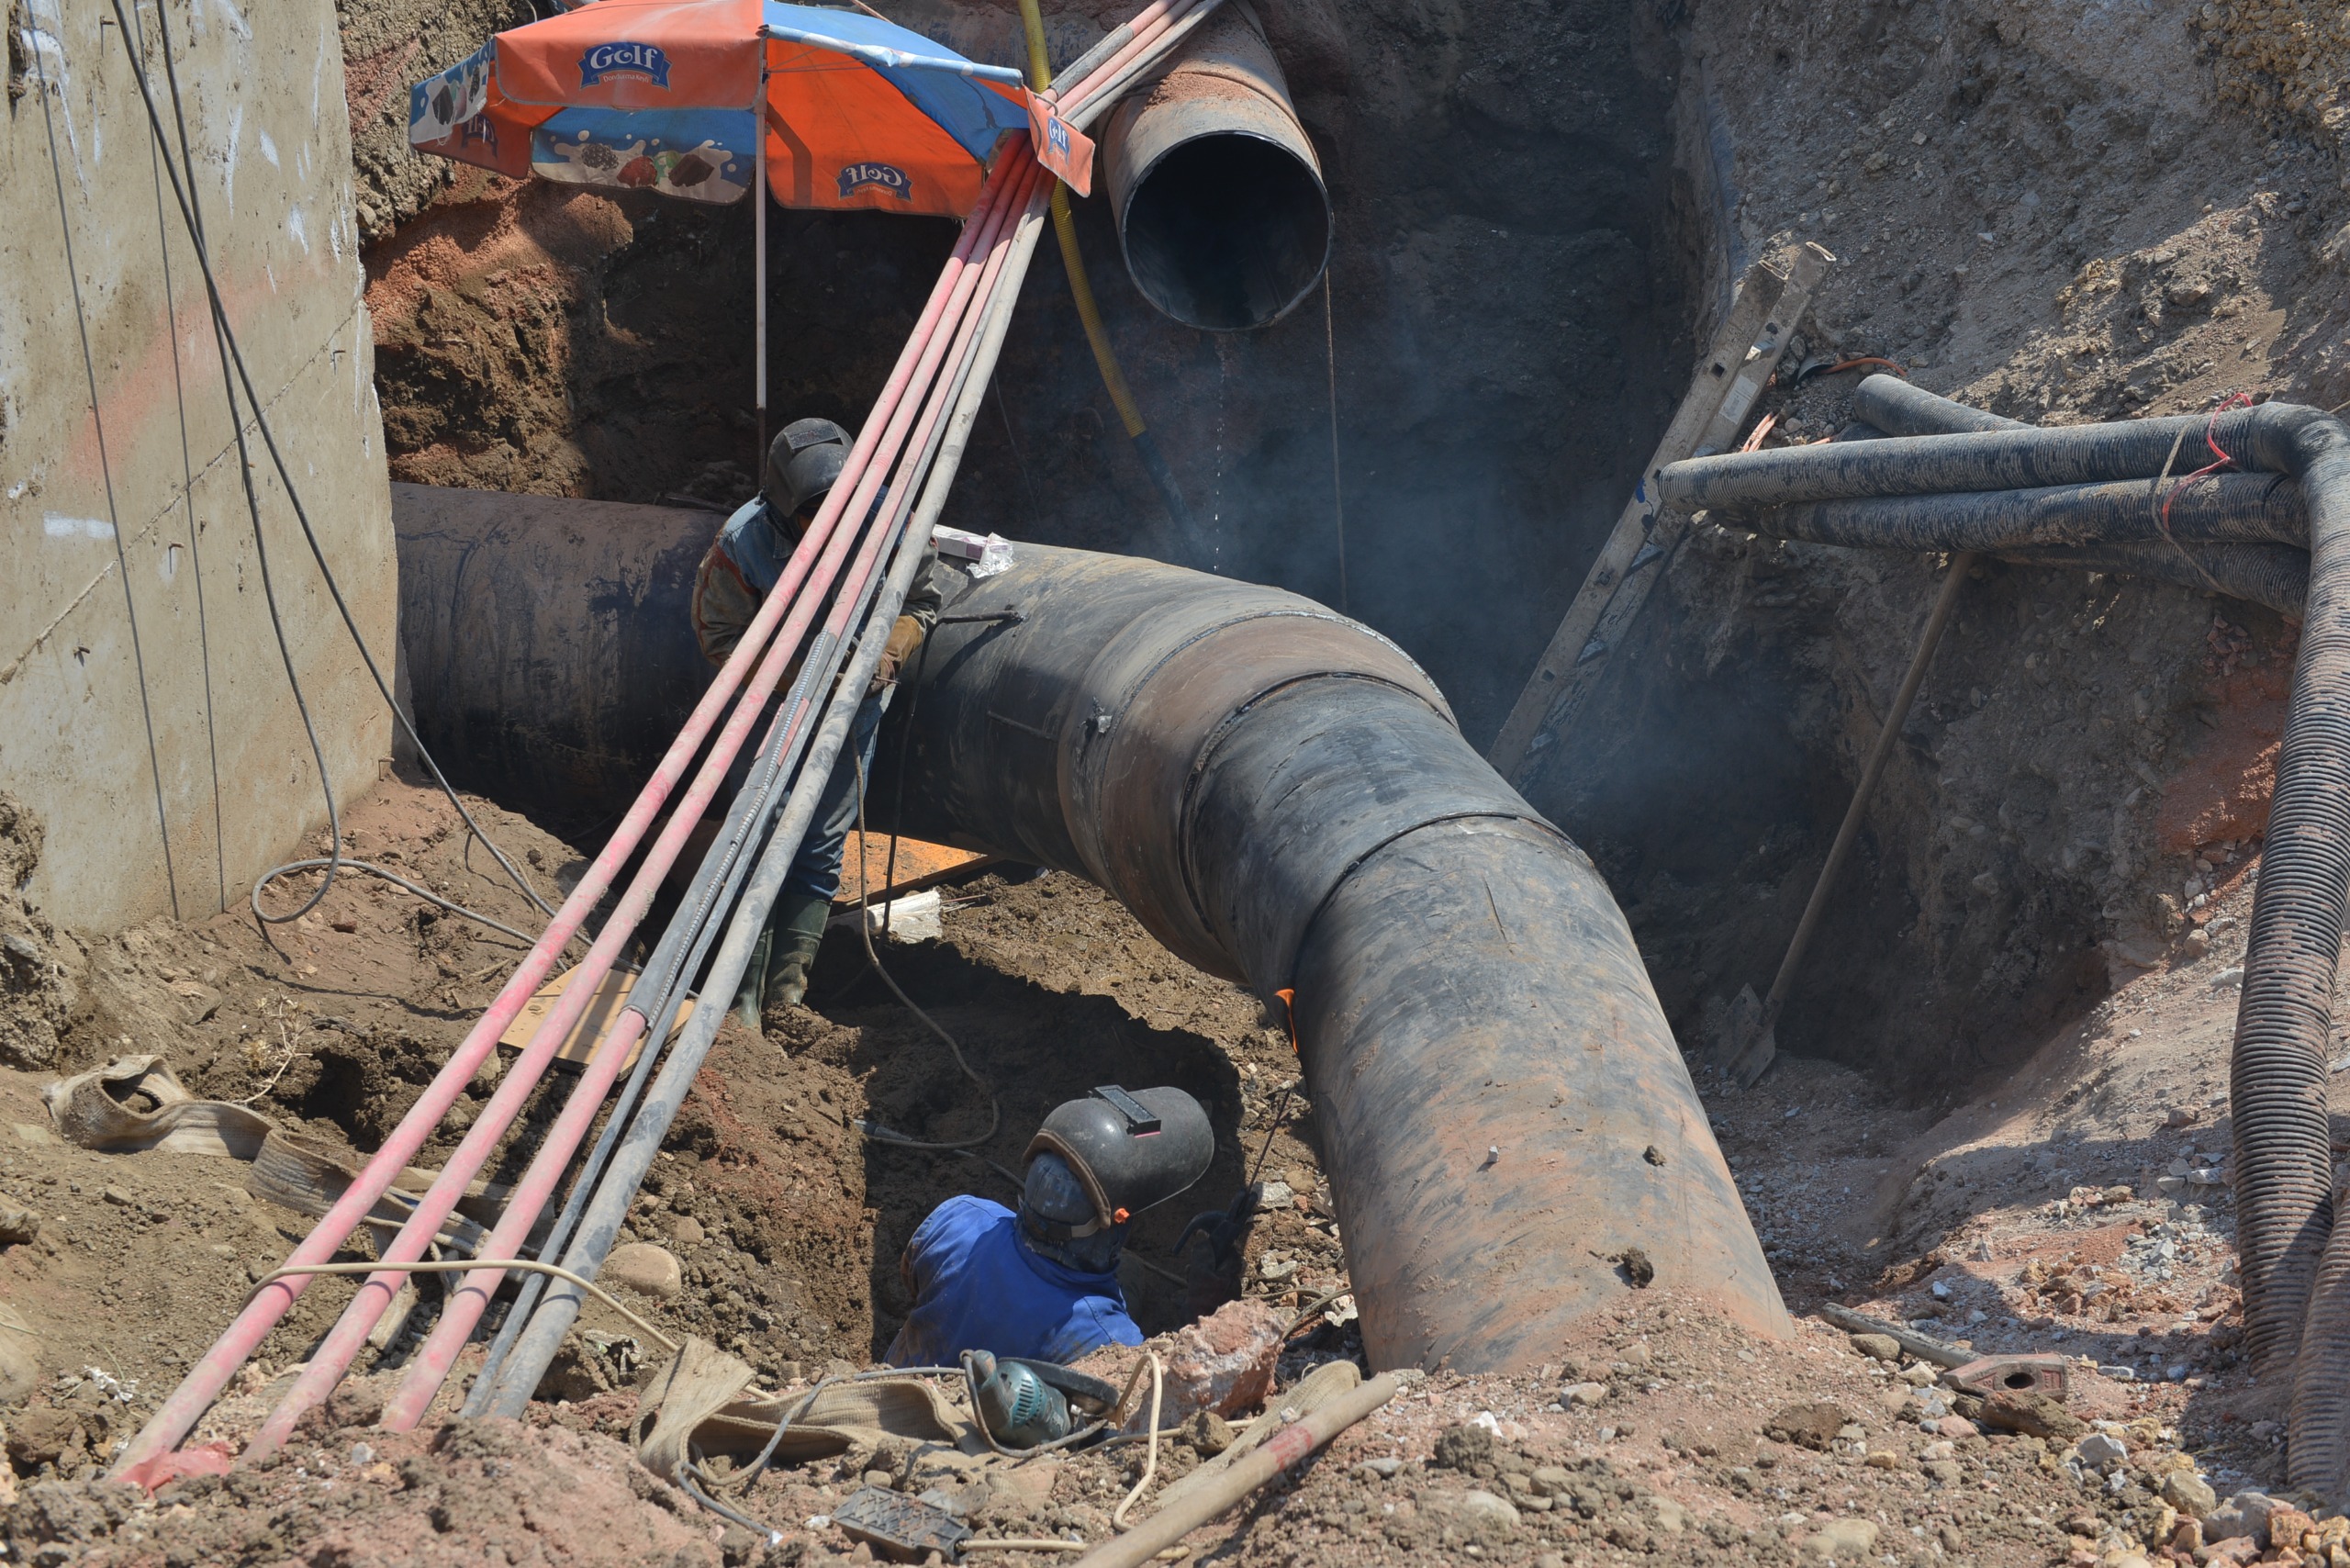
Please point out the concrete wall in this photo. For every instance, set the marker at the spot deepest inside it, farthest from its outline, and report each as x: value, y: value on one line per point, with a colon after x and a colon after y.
x: 144, y: 711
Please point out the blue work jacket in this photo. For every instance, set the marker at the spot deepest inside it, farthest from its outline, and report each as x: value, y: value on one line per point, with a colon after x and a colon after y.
x: 977, y: 1286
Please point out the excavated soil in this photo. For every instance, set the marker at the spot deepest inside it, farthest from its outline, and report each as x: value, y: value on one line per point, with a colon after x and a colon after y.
x: 2054, y: 1224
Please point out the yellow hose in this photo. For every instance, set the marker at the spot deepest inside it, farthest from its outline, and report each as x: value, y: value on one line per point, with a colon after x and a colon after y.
x: 1040, y: 76
x: 1081, y: 290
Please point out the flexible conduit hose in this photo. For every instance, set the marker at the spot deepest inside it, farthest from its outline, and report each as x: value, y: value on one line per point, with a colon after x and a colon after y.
x: 2277, y: 1074
x: 1281, y: 797
x: 2245, y: 536
x: 2218, y: 509
x: 2218, y: 525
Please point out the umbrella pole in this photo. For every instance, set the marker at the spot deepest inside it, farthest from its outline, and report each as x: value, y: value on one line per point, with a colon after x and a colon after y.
x: 759, y: 262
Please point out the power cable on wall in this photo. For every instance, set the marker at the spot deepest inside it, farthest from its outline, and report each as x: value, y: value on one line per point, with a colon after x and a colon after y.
x: 195, y: 550
x: 105, y: 471
x: 234, y: 374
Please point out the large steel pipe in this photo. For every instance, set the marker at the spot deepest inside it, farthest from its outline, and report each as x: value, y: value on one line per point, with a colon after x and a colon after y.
x: 1282, y: 796
x: 1218, y: 197
x: 545, y: 641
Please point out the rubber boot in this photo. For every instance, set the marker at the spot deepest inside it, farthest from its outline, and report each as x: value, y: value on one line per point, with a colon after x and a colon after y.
x: 753, y: 991
x: 798, y: 926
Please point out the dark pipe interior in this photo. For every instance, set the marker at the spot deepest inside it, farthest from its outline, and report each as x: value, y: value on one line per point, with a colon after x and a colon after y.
x: 1227, y: 231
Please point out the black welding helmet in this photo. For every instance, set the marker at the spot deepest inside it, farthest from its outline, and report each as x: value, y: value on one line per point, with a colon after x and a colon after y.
x: 802, y: 462
x: 1126, y: 1152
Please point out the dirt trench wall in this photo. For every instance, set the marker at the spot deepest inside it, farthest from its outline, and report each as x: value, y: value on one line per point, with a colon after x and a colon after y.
x: 2048, y: 211
x: 144, y: 711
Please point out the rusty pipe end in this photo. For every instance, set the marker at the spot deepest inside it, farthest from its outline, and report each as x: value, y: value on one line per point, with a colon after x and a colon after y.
x: 1221, y: 209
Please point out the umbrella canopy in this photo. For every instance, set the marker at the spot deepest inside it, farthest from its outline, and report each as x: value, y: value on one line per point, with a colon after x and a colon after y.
x: 668, y: 96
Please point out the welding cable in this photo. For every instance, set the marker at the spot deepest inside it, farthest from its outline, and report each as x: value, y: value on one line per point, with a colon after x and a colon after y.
x: 690, y: 1476
x: 782, y: 618
x: 1150, y: 1463
x: 1088, y: 313
x: 1016, y: 1543
x: 463, y: 1265
x: 870, y: 1128
x: 233, y: 354
x: 427, y: 894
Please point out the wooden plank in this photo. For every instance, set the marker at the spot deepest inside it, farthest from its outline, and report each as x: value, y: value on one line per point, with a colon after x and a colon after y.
x: 919, y: 865
x: 1669, y: 528
x: 603, y: 1012
x: 1723, y: 392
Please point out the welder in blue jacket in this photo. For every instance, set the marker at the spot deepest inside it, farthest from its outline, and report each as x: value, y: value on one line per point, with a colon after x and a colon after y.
x: 1043, y: 1282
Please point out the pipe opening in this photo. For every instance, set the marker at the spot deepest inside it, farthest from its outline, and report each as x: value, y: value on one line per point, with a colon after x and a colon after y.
x: 1227, y: 231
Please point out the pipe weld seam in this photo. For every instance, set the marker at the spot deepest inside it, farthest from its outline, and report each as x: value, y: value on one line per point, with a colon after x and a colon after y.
x: 1347, y: 872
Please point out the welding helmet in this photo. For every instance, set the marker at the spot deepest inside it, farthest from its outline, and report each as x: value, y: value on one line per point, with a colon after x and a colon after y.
x: 803, y: 460
x: 1124, y: 1152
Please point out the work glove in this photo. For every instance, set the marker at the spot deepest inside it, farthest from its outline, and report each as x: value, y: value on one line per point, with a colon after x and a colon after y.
x: 905, y: 637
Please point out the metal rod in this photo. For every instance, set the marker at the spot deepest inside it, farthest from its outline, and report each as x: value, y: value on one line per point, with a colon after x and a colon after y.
x: 519, y: 1377
x: 196, y: 1394
x: 1882, y: 749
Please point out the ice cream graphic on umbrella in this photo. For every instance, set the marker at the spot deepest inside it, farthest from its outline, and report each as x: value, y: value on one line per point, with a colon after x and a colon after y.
x: 573, y: 149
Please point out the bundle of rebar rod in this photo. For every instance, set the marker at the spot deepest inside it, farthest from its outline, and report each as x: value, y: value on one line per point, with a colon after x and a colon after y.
x: 829, y: 614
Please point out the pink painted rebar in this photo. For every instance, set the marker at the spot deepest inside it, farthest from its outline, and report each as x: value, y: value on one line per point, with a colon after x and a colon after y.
x: 179, y: 1413
x: 333, y: 1356
x: 429, y: 1369
x: 1149, y: 24
x: 204, y: 1384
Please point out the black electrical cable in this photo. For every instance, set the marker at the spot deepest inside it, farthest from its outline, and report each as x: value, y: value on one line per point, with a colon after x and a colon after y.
x: 865, y: 929
x: 195, y: 531
x: 183, y: 192
x: 427, y: 894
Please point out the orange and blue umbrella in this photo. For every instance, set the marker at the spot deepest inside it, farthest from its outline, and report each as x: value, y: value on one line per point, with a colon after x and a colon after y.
x: 676, y: 96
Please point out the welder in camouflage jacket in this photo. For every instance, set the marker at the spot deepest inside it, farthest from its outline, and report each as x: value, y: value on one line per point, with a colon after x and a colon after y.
x: 744, y: 563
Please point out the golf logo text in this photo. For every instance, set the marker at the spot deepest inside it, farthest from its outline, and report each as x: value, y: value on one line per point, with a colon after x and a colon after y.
x: 641, y: 60
x: 857, y: 176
